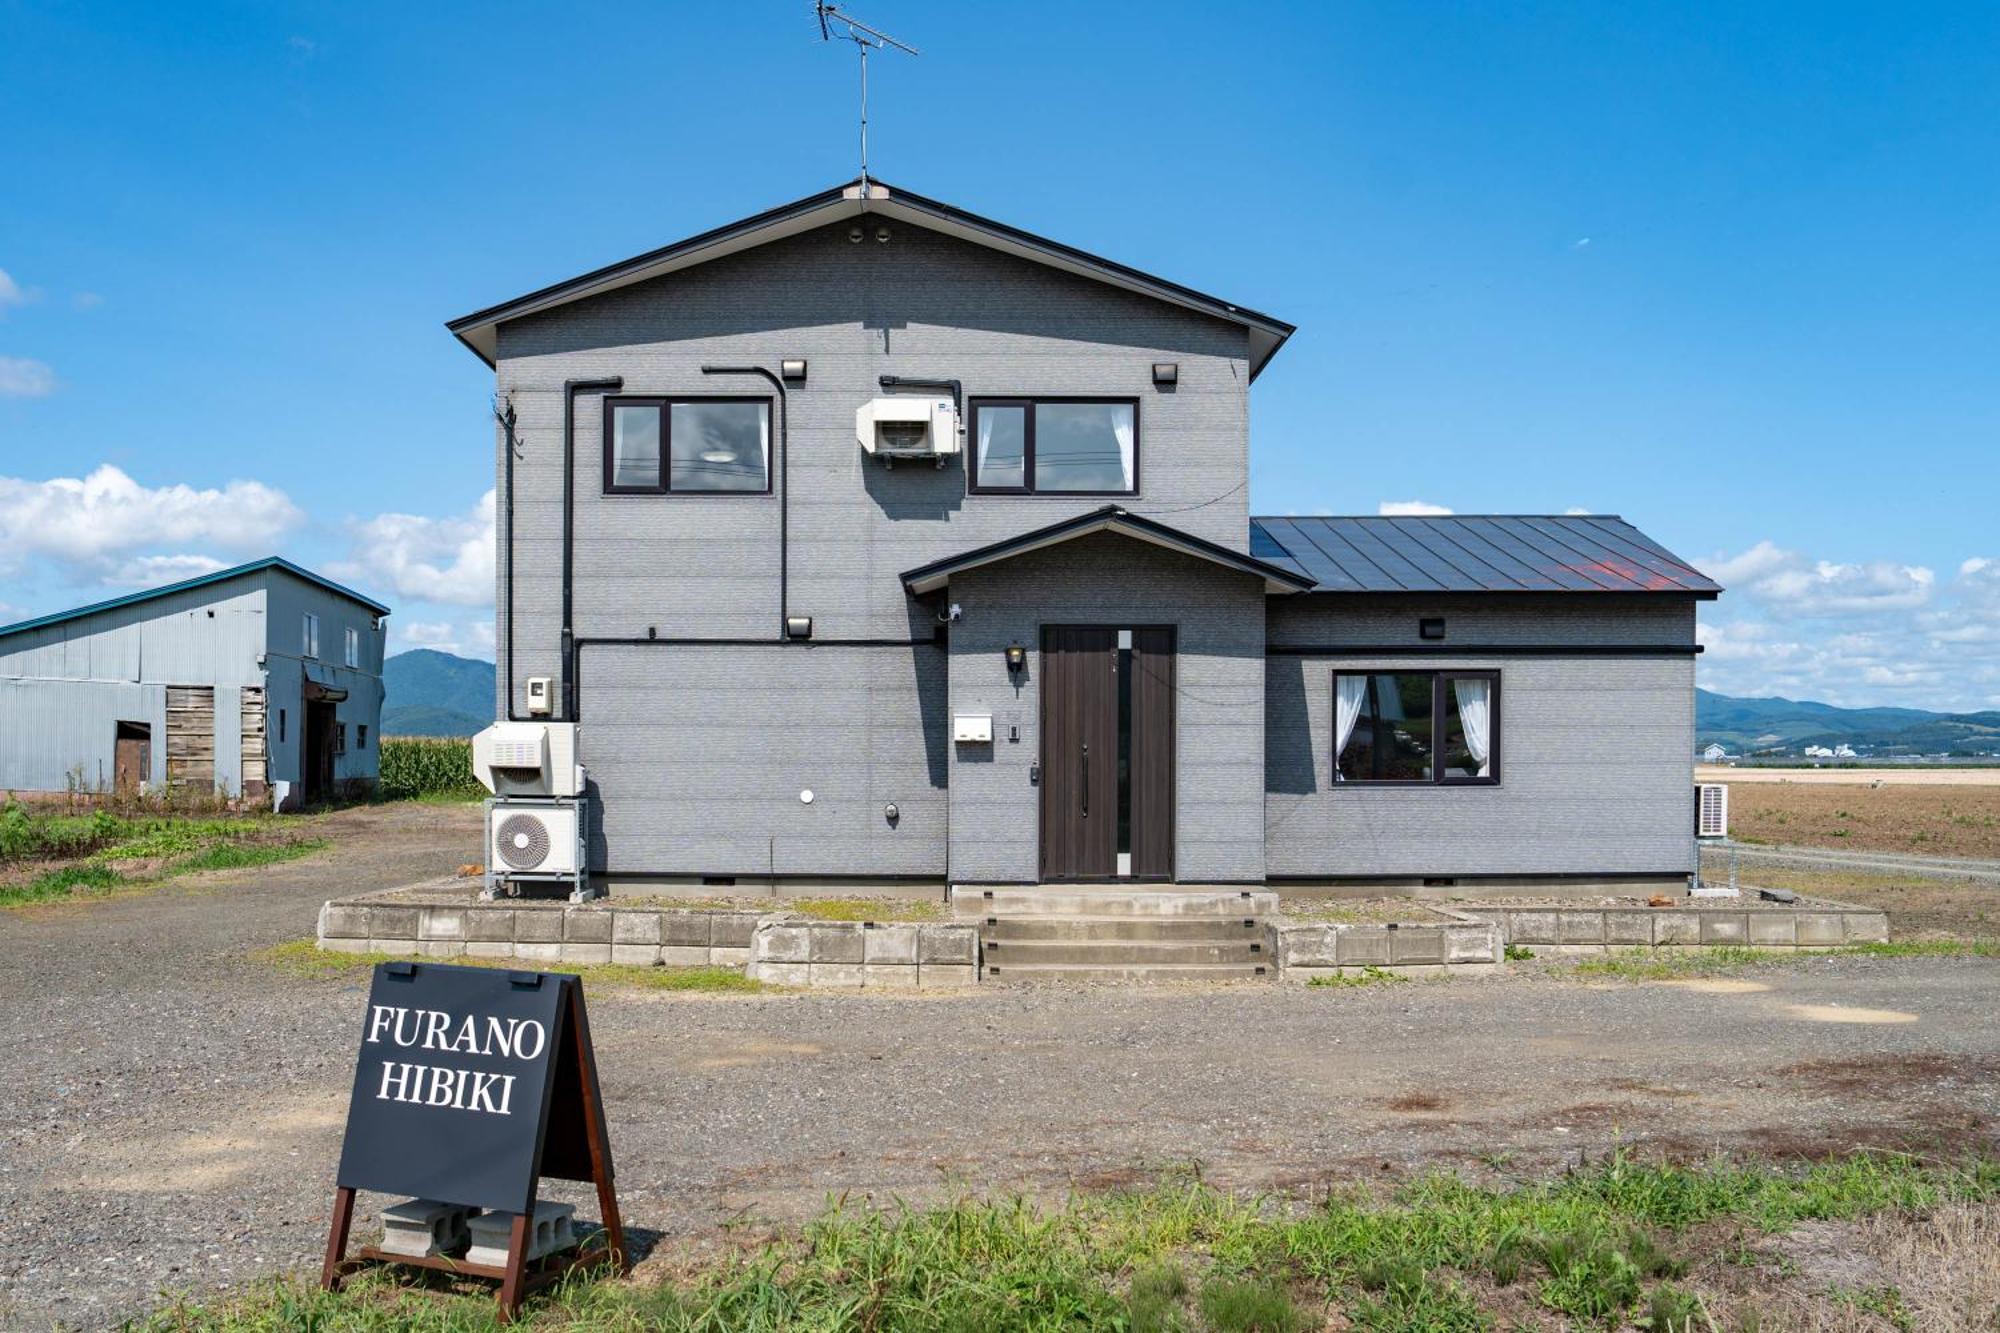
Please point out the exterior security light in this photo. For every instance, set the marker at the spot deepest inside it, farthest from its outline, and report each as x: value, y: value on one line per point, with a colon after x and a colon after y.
x: 1431, y: 627
x: 1017, y: 657
x: 1166, y: 373
x: 793, y: 369
x: 798, y: 627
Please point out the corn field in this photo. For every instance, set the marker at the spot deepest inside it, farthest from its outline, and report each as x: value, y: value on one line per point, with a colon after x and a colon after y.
x: 426, y: 766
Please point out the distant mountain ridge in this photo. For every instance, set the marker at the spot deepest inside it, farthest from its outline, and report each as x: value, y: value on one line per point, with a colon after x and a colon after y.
x: 429, y: 693
x: 1789, y: 725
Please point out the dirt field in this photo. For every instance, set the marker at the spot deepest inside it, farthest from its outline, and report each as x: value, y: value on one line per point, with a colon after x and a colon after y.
x: 1939, y: 776
x: 1924, y: 820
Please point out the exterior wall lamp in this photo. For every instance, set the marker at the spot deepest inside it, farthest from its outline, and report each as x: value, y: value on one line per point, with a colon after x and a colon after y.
x: 793, y: 369
x: 798, y: 627
x: 1017, y: 659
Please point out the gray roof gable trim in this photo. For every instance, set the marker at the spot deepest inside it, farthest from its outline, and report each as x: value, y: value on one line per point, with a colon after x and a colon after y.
x: 929, y: 578
x: 478, y: 330
x: 199, y: 581
x: 1476, y: 553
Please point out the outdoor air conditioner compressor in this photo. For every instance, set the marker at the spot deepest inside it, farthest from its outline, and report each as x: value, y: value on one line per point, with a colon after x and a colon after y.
x: 908, y: 427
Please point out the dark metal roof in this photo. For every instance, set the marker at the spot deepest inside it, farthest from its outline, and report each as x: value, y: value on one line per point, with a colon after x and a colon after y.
x: 1476, y: 553
x: 477, y: 330
x: 931, y: 577
x: 200, y: 580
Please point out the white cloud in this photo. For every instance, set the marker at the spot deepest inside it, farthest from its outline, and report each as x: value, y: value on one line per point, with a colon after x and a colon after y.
x: 86, y: 300
x: 465, y: 638
x: 25, y: 377
x: 430, y: 559
x: 1791, y: 584
x: 150, y: 571
x: 1854, y: 634
x: 90, y: 522
x: 1578, y: 511
x: 12, y: 293
x: 1409, y: 509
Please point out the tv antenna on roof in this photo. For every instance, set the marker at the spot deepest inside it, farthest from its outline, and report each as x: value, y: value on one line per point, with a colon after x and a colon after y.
x: 833, y: 23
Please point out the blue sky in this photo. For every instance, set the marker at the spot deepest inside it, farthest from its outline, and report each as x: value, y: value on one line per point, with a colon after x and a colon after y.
x: 1726, y: 270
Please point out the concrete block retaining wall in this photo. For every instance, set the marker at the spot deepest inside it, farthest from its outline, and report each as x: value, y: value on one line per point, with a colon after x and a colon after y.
x: 1592, y: 930
x: 867, y: 955
x: 540, y: 933
x: 1456, y: 949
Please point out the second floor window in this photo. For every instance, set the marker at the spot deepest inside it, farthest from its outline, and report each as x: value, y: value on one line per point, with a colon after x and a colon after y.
x: 677, y: 446
x: 1055, y: 446
x: 309, y: 636
x: 353, y: 657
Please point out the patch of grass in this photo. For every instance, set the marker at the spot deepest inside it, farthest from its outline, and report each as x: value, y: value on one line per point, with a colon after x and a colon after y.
x: 1517, y: 953
x: 60, y: 883
x: 864, y: 909
x: 238, y: 855
x: 1671, y: 964
x: 1601, y: 1239
x: 1367, y: 976
x: 304, y: 958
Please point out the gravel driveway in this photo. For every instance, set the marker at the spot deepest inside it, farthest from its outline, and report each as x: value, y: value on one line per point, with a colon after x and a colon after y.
x: 172, y: 1110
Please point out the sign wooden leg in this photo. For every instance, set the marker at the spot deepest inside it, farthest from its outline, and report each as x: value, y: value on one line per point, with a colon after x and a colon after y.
x: 600, y: 1156
x: 330, y: 1274
x: 512, y: 1286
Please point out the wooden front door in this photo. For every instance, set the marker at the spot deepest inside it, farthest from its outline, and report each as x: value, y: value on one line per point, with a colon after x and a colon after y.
x: 132, y: 757
x: 1107, y: 695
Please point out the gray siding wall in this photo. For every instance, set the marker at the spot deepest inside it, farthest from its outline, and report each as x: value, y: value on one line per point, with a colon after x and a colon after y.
x: 65, y: 688
x: 1219, y: 675
x: 290, y: 600
x: 1597, y: 766
x: 923, y: 305
x: 698, y: 755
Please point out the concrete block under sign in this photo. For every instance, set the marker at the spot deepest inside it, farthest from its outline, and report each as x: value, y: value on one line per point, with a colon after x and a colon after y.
x: 420, y: 1228
x: 553, y: 1230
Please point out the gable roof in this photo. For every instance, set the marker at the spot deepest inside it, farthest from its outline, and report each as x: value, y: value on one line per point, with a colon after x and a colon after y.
x: 478, y: 330
x: 1581, y: 553
x: 1111, y: 518
x: 199, y: 581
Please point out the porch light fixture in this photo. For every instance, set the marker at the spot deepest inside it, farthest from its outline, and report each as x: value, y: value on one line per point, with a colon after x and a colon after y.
x: 798, y: 627
x: 793, y: 369
x: 1017, y: 658
x: 1166, y: 373
x: 1431, y: 627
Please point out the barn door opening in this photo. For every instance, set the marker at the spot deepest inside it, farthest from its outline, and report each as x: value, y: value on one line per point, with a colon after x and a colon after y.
x: 317, y: 770
x: 1107, y: 800
x: 132, y: 758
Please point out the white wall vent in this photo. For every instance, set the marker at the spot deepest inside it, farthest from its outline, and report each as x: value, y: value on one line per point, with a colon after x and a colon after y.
x: 908, y: 427
x: 1711, y: 810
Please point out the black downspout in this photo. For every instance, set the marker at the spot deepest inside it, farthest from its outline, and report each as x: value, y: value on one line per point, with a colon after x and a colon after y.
x: 784, y: 483
x: 571, y: 388
x: 506, y: 421
x: 957, y: 391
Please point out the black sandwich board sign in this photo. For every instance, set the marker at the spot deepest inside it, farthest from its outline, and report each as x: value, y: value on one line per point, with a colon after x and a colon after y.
x: 472, y: 1084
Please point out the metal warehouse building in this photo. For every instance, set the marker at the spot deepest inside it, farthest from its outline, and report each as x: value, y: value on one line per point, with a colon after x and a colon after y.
x: 264, y: 680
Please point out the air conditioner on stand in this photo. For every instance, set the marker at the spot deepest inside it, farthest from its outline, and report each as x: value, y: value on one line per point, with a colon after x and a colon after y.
x: 538, y: 817
x: 1711, y: 824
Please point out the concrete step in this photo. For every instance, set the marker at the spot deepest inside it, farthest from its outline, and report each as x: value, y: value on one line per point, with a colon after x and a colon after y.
x: 1109, y: 902
x: 1199, y: 929
x: 1121, y: 953
x: 1137, y: 973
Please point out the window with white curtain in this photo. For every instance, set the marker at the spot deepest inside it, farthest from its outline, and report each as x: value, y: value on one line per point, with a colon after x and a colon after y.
x: 1055, y: 446
x: 1439, y: 727
x: 309, y: 636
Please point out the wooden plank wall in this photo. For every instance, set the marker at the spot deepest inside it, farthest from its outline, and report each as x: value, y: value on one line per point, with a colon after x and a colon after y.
x: 191, y: 736
x: 256, y: 766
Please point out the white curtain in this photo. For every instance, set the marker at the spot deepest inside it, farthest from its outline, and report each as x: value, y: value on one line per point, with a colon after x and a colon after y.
x: 1350, y: 695
x: 1121, y: 426
x: 985, y: 438
x: 1475, y: 712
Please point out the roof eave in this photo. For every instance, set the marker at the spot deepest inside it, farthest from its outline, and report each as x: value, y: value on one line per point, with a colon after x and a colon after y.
x: 277, y: 562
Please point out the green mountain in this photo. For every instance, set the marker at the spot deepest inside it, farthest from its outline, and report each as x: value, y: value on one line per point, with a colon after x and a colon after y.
x: 429, y: 693
x: 1787, y: 726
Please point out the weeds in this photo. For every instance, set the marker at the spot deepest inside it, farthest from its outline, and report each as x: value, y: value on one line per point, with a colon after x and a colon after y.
x: 1517, y: 953
x: 1599, y: 1246
x: 865, y: 909
x: 1367, y: 976
x: 1671, y: 964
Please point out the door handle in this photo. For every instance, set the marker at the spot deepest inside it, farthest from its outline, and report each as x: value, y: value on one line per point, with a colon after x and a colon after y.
x: 1086, y: 779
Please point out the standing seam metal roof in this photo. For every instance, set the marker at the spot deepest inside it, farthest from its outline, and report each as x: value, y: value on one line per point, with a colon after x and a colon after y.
x: 200, y: 580
x: 1476, y: 553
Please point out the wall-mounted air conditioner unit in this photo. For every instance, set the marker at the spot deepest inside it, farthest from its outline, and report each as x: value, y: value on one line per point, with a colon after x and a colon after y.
x: 908, y: 428
x: 1711, y: 810
x: 528, y: 759
x: 535, y: 844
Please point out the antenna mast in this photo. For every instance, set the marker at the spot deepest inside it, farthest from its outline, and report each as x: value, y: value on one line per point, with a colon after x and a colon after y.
x: 865, y: 39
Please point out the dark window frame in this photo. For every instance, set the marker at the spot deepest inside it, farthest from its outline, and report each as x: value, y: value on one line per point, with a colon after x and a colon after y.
x: 663, y: 404
x: 1441, y: 678
x: 1029, y: 402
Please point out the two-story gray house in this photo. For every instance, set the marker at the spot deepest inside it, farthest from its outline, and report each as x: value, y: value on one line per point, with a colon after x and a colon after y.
x: 259, y: 682
x: 869, y: 540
